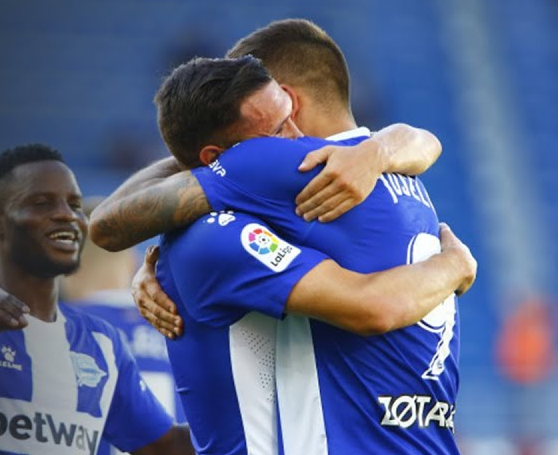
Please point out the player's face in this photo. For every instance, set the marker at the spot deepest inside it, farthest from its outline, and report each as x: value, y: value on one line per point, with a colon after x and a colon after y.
x: 268, y: 112
x: 43, y: 226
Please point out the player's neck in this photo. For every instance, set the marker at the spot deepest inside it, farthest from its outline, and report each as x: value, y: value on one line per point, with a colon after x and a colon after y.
x: 326, y: 124
x: 338, y: 127
x: 39, y: 294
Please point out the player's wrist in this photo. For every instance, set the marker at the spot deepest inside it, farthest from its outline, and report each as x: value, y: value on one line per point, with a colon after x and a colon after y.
x: 379, y: 154
x: 457, y: 263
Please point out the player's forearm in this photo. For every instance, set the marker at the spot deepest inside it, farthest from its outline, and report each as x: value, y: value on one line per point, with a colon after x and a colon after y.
x: 402, y: 296
x: 408, y: 150
x: 147, y: 205
x: 375, y: 303
x: 144, y: 178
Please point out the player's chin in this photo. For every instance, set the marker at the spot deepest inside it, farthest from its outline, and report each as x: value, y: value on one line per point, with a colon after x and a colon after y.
x: 62, y: 266
x: 70, y: 267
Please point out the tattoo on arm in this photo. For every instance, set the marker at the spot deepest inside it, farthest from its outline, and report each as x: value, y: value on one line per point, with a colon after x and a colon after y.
x: 174, y: 202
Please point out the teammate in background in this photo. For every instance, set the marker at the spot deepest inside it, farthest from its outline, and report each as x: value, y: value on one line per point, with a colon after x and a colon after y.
x: 381, y: 242
x: 67, y: 379
x: 101, y: 287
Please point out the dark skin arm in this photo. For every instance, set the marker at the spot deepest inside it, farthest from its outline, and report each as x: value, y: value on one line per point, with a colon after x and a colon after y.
x: 12, y: 312
x: 163, y: 197
x: 177, y: 441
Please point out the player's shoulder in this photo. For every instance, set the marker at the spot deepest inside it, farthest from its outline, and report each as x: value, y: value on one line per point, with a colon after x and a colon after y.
x: 82, y: 320
x: 278, y: 144
x: 218, y: 232
x: 216, y: 227
x: 116, y: 299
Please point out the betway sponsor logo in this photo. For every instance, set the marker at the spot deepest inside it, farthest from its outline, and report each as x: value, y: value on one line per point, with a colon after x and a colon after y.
x: 422, y: 410
x: 43, y: 428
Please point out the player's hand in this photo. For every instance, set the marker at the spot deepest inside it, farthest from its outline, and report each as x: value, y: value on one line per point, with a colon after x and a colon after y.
x: 449, y: 241
x: 349, y: 176
x: 12, y: 312
x: 154, y: 304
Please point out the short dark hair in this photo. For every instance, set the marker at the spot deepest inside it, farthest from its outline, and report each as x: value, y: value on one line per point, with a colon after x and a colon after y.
x: 300, y: 53
x: 201, y: 99
x: 23, y: 154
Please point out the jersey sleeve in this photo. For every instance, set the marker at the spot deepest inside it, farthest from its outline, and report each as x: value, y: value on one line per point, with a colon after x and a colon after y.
x: 229, y: 264
x: 258, y: 171
x: 136, y: 418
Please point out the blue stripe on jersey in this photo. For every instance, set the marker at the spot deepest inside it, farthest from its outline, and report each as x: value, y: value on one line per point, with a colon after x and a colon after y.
x: 92, y: 371
x: 230, y: 296
x: 19, y: 365
x: 207, y: 349
x: 63, y: 415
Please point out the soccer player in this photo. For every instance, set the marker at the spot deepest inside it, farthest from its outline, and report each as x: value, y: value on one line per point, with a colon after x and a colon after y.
x: 396, y: 225
x: 101, y: 287
x: 66, y: 379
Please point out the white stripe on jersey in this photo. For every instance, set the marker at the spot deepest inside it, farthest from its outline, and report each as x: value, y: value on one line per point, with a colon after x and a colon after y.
x: 162, y: 386
x: 106, y: 346
x: 299, y: 398
x: 252, y: 342
x: 47, y: 341
x: 51, y: 423
x: 32, y: 430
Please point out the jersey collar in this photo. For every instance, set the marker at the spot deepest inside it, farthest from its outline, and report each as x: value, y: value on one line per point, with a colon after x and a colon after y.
x: 356, y: 132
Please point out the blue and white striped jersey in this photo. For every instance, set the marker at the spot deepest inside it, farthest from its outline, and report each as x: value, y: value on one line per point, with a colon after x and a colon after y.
x: 339, y: 392
x: 230, y: 277
x: 146, y: 344
x: 65, y: 384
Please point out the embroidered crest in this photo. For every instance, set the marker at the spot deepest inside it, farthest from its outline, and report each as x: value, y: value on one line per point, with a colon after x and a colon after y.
x: 87, y: 371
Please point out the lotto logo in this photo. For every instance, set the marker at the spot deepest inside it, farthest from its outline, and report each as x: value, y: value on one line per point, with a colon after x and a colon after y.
x: 262, y: 241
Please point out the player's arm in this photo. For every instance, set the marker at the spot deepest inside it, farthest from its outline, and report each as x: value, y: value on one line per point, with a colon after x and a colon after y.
x: 156, y: 199
x: 362, y: 303
x: 177, y: 441
x: 136, y: 422
x: 380, y: 302
x: 12, y: 312
x: 163, y: 197
x: 351, y: 173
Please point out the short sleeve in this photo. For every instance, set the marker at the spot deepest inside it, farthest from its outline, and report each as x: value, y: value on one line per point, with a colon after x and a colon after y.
x: 228, y: 264
x: 261, y: 175
x: 136, y: 418
x: 258, y: 170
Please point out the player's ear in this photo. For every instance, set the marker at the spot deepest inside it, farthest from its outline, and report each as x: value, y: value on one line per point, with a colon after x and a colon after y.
x: 295, y: 99
x: 210, y: 153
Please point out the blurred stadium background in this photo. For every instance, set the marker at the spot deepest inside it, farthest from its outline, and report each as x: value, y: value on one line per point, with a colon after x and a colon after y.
x: 481, y: 74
